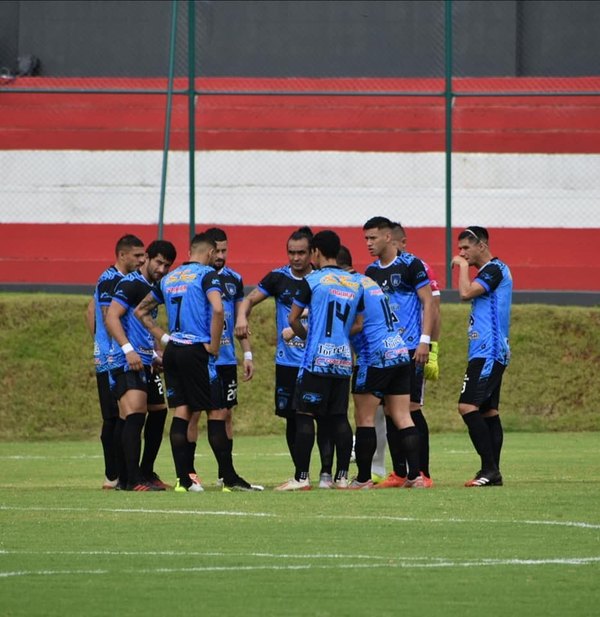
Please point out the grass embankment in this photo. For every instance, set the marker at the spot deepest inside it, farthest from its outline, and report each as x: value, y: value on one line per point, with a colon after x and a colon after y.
x: 49, y: 390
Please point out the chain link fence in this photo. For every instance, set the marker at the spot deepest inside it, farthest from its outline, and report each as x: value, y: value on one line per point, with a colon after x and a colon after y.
x: 439, y: 114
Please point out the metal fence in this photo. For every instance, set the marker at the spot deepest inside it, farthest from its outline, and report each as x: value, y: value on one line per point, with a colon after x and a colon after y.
x: 263, y: 116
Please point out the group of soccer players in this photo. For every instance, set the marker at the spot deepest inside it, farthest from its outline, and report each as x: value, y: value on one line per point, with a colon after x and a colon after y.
x: 375, y: 335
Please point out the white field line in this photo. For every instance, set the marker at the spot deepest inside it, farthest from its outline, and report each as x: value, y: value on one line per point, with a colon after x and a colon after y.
x: 329, y: 517
x: 401, y: 563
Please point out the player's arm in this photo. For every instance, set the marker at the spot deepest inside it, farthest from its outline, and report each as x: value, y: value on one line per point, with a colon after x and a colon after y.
x: 357, y: 326
x: 255, y: 297
x: 216, y: 321
x: 90, y: 317
x: 246, y: 349
x: 295, y: 321
x: 143, y: 312
x: 467, y: 289
x: 422, y: 350
x: 432, y: 368
x: 114, y: 327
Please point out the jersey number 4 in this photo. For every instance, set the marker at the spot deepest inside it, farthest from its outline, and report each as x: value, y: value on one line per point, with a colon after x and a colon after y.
x: 335, y: 309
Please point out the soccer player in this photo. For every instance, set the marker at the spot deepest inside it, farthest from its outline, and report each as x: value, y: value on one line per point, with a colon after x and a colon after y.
x: 192, y: 295
x: 382, y: 372
x: 403, y: 279
x: 130, y: 255
x: 137, y: 387
x: 282, y: 284
x: 490, y: 293
x: 333, y: 299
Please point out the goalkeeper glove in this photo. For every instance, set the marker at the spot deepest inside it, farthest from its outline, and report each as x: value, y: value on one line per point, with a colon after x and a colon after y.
x: 432, y: 369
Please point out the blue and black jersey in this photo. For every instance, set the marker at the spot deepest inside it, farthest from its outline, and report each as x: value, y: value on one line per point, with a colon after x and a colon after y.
x: 130, y: 291
x: 282, y: 285
x: 400, y: 281
x: 233, y: 293
x: 102, y: 298
x: 379, y: 344
x: 489, y: 322
x: 184, y: 294
x: 333, y: 298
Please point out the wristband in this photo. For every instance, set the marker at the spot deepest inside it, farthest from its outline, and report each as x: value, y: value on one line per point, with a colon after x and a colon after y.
x: 126, y: 348
x: 247, y: 355
x: 425, y: 338
x: 164, y: 339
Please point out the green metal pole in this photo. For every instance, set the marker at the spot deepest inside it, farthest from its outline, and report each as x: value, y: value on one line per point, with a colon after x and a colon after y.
x: 448, y: 146
x: 167, y: 141
x: 191, y: 111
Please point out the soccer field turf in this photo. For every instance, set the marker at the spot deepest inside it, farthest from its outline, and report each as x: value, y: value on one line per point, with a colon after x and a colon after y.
x: 531, y: 547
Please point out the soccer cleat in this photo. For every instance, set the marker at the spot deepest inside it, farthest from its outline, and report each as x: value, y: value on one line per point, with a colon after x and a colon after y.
x: 325, y: 480
x: 239, y: 484
x: 154, y: 479
x: 414, y: 483
x: 427, y: 481
x: 108, y: 485
x: 483, y: 478
x: 377, y: 479
x: 355, y: 485
x: 219, y: 483
x: 141, y: 487
x: 194, y: 487
x: 341, y: 483
x: 294, y: 485
x: 392, y: 481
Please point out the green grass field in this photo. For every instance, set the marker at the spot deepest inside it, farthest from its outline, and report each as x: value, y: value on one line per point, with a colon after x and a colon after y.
x: 529, y: 548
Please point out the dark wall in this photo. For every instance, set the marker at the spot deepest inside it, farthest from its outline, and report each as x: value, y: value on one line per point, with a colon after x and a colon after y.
x: 321, y: 38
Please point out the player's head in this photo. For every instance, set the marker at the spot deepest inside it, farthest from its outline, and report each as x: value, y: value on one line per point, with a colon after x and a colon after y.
x: 378, y: 235
x: 298, y: 250
x: 160, y: 256
x: 130, y: 253
x: 473, y: 245
x: 344, y: 258
x: 202, y: 249
x: 325, y: 246
x: 220, y: 238
x: 399, y: 237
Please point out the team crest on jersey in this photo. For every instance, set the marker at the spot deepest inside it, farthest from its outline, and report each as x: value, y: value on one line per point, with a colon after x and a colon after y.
x: 396, y: 280
x: 230, y: 289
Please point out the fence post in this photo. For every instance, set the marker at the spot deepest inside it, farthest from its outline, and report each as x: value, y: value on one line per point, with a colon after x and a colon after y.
x: 191, y: 114
x: 448, y: 146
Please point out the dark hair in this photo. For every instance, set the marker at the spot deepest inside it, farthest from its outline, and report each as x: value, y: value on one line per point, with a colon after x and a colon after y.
x: 127, y: 242
x: 476, y: 234
x: 378, y: 222
x: 328, y: 242
x: 202, y: 238
x: 344, y: 257
x: 302, y: 233
x: 164, y: 248
x: 397, y: 228
x: 217, y: 234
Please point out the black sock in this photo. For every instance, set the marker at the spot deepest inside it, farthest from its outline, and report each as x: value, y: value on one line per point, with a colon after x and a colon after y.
x: 419, y: 419
x: 305, y: 440
x: 365, y: 446
x: 481, y: 439
x: 497, y: 435
x: 107, y: 437
x: 342, y: 437
x: 132, y: 445
x: 290, y: 436
x: 119, y: 452
x: 179, y: 449
x: 218, y: 441
x: 410, y: 445
x: 396, y: 450
x: 325, y: 444
x: 230, y: 452
x: 191, y: 456
x: 153, y: 435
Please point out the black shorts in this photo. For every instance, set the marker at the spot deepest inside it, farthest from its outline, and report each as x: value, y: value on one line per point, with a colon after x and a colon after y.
x: 482, y: 382
x: 285, y: 385
x: 229, y: 384
x: 108, y: 401
x: 322, y: 395
x: 144, y: 380
x: 417, y: 380
x: 191, y: 376
x: 391, y: 380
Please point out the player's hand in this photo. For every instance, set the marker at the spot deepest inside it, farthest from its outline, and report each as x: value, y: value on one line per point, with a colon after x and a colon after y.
x: 457, y: 260
x: 248, y: 370
x: 242, y: 329
x: 213, y: 349
x: 287, y: 334
x: 421, y: 353
x: 432, y: 368
x: 157, y: 363
x: 134, y: 361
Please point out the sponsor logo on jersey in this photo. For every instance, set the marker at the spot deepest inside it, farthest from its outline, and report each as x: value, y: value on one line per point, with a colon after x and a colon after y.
x: 328, y: 350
